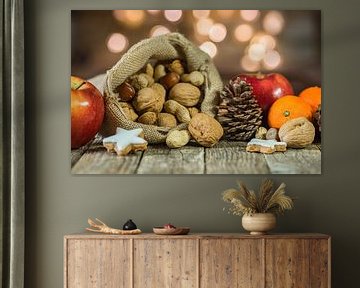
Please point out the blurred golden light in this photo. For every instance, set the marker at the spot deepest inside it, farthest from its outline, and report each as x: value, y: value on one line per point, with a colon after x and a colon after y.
x: 249, y: 15
x: 209, y: 48
x: 267, y: 40
x: 217, y: 32
x: 249, y: 65
x: 203, y: 26
x: 118, y: 15
x: 198, y: 14
x: 159, y: 30
x: 273, y: 22
x: 272, y: 59
x: 153, y: 12
x: 173, y: 15
x: 225, y: 14
x: 243, y: 32
x: 130, y: 17
x: 117, y: 43
x: 257, y: 51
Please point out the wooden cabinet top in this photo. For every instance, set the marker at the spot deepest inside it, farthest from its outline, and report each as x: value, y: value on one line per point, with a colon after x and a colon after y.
x: 200, y: 236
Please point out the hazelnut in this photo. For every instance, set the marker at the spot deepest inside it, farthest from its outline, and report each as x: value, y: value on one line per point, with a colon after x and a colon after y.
x: 185, y: 93
x: 126, y: 92
x: 169, y: 80
x: 205, y: 129
x: 176, y: 67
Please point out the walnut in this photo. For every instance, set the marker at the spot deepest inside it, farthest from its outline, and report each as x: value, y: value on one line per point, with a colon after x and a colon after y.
x: 139, y: 81
x: 148, y: 118
x: 205, y: 129
x: 166, y: 120
x: 129, y: 111
x: 261, y: 133
x: 149, y: 99
x: 297, y: 133
x: 185, y: 93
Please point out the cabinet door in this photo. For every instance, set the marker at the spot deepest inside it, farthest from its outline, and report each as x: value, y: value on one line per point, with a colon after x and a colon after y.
x: 320, y: 263
x: 98, y: 263
x: 287, y: 263
x: 166, y: 263
x: 231, y: 263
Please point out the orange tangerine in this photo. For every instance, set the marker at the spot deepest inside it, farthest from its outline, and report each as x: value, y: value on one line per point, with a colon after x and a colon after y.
x: 287, y: 108
x: 312, y: 96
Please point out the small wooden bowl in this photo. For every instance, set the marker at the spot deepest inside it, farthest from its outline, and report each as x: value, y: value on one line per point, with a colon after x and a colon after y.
x: 171, y: 231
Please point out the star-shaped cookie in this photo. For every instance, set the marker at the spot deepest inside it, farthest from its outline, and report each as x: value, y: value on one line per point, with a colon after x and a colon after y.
x: 265, y: 146
x: 125, y: 141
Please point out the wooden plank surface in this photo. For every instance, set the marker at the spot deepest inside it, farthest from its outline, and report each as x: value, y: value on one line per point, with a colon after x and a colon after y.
x: 293, y: 256
x: 223, y: 158
x: 159, y: 159
x: 165, y: 263
x: 231, y: 158
x: 295, y: 161
x: 86, y: 257
x: 97, y: 160
x: 231, y: 263
x: 77, y: 153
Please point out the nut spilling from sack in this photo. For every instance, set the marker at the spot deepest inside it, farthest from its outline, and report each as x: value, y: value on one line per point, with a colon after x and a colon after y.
x: 164, y: 94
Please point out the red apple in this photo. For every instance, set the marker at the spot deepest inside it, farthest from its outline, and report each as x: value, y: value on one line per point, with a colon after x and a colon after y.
x: 87, y: 111
x: 169, y: 226
x: 267, y: 88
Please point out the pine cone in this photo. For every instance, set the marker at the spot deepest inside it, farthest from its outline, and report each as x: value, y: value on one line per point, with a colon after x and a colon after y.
x: 317, y: 118
x: 238, y: 111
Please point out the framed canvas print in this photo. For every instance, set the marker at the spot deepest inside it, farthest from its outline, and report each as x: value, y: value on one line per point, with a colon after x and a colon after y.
x: 196, y: 91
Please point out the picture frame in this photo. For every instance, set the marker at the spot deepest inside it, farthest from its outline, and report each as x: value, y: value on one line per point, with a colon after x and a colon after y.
x: 105, y: 56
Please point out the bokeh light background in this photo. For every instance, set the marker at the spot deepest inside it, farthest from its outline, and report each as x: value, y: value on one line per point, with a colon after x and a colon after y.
x: 239, y: 41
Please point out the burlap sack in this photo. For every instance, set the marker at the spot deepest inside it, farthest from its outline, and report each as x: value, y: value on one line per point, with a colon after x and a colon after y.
x: 164, y: 47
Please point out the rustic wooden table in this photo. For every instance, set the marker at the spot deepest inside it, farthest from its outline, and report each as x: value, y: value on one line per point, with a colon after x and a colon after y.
x: 224, y: 158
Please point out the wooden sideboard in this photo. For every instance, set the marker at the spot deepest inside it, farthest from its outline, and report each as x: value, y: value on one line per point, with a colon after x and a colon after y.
x: 197, y: 260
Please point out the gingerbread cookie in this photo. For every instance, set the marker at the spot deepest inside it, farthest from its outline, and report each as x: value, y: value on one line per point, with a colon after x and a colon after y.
x: 265, y: 146
x: 125, y: 141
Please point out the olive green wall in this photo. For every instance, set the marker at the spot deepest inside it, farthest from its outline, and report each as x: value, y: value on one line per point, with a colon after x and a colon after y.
x: 58, y: 203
